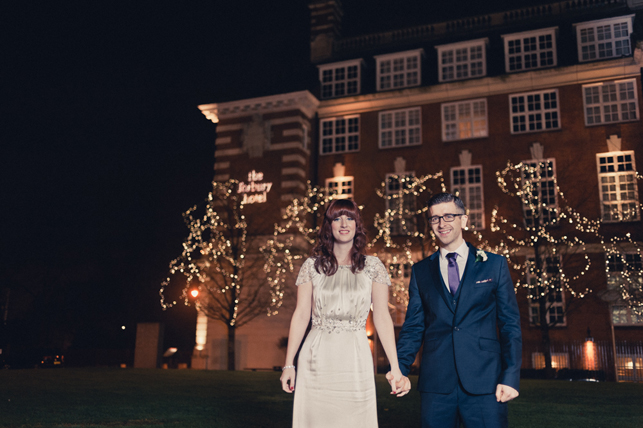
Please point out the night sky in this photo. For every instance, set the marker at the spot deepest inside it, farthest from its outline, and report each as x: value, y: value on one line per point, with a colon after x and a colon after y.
x: 103, y: 146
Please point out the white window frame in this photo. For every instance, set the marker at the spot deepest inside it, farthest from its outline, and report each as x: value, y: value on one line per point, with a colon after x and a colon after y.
x: 334, y: 78
x: 604, y: 38
x: 332, y: 132
x: 464, y: 120
x: 556, y: 307
x: 400, y: 128
x: 469, y: 186
x: 340, y: 187
x: 399, y: 70
x: 410, y: 203
x: 520, y: 49
x: 617, y: 186
x: 534, y: 111
x: 454, y: 60
x: 544, y: 185
x: 610, y: 102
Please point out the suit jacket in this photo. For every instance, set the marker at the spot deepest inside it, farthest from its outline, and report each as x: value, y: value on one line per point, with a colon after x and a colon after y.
x: 477, y: 340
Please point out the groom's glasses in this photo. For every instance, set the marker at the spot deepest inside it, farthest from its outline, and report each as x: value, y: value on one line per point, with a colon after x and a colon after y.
x: 447, y: 218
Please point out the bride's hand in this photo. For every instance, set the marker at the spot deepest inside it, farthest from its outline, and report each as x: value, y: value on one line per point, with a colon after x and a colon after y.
x: 288, y: 380
x: 400, y: 384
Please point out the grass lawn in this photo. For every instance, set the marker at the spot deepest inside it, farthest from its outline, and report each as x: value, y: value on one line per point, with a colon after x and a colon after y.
x: 192, y: 399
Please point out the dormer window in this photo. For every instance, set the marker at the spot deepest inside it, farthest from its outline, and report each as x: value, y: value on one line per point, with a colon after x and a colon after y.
x: 604, y: 38
x: 530, y: 50
x: 340, y: 79
x: 462, y: 60
x: 399, y: 70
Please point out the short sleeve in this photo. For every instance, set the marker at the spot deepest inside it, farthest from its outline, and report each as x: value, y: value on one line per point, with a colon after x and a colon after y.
x: 306, y: 271
x: 376, y: 271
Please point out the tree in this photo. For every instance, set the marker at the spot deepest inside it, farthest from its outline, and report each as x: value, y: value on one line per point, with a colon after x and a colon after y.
x: 216, y: 262
x: 547, y: 245
x: 292, y: 239
x: 402, y: 228
x: 623, y: 256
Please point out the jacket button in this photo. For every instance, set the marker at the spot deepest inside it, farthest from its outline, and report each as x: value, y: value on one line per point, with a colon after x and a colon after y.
x: 456, y: 328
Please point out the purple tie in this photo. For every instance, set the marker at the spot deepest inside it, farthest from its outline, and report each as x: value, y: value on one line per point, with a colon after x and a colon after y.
x: 453, y: 272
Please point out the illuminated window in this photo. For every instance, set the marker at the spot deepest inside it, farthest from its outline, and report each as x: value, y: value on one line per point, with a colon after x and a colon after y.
x: 399, y: 70
x: 559, y: 360
x: 547, y: 282
x: 610, y: 102
x: 604, y: 38
x: 340, y: 79
x: 629, y: 367
x: 624, y: 269
x: 617, y: 186
x: 401, y: 203
x: 540, y: 199
x: 534, y: 111
x: 400, y: 128
x: 340, y: 135
x: 340, y: 187
x: 530, y: 50
x: 622, y: 315
x: 464, y: 120
x: 466, y: 182
x: 463, y: 60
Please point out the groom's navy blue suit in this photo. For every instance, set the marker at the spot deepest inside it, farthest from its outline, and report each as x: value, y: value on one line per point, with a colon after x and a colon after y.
x: 473, y: 338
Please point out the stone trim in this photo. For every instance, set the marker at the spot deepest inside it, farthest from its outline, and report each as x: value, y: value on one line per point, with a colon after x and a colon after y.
x: 303, y: 101
x: 621, y: 68
x: 287, y: 184
x: 293, y: 171
x: 294, y: 158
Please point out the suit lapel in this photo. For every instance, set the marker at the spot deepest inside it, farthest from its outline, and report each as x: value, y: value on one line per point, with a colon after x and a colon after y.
x: 437, y: 280
x: 468, y: 277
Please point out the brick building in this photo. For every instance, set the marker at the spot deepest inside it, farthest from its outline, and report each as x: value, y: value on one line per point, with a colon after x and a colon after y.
x: 556, y: 87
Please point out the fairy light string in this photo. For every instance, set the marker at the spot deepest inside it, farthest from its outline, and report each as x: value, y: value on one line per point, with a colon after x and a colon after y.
x: 397, y: 235
x: 215, y: 261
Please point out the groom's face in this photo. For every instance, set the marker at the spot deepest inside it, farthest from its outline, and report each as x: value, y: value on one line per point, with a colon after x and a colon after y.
x: 448, y: 233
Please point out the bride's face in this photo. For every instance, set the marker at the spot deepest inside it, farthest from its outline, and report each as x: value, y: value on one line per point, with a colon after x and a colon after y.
x: 343, y: 229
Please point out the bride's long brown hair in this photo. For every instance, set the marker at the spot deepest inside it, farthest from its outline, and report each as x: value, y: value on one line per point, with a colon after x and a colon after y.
x: 325, y: 260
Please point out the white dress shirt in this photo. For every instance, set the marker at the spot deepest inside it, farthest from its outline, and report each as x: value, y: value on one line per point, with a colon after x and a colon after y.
x: 461, y: 260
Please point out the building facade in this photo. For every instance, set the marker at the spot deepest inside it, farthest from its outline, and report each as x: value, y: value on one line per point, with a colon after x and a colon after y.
x: 553, y: 91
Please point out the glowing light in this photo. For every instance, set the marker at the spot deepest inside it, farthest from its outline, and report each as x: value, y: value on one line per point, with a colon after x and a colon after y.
x: 590, y: 360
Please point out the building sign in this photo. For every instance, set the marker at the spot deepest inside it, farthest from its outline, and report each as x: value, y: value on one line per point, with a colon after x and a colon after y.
x: 254, y: 192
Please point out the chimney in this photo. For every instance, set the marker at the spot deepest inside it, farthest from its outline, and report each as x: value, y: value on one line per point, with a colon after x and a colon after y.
x: 325, y: 28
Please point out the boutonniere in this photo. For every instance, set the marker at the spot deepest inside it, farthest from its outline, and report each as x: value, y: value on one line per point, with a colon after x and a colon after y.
x: 481, y: 256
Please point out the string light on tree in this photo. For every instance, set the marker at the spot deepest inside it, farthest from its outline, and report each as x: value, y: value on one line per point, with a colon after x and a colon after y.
x: 547, y: 245
x: 397, y: 228
x: 215, y: 270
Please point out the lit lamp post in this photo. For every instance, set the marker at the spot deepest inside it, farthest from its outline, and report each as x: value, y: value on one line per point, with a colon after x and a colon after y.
x: 201, y: 330
x: 589, y: 352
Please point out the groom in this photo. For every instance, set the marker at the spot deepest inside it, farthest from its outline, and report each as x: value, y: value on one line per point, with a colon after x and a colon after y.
x: 462, y: 307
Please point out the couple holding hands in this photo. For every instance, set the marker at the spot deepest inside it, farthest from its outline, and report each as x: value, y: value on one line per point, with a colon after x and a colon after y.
x: 462, y: 309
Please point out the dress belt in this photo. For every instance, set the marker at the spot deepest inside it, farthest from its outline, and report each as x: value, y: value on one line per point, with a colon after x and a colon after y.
x: 337, y: 326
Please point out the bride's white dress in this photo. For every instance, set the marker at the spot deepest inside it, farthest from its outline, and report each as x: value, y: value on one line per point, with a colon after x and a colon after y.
x: 335, y: 384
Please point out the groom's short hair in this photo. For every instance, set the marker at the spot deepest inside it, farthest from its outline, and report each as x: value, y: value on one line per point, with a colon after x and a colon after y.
x: 441, y: 198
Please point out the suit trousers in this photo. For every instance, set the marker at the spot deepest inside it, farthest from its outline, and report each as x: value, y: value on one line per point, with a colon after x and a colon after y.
x: 473, y: 411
